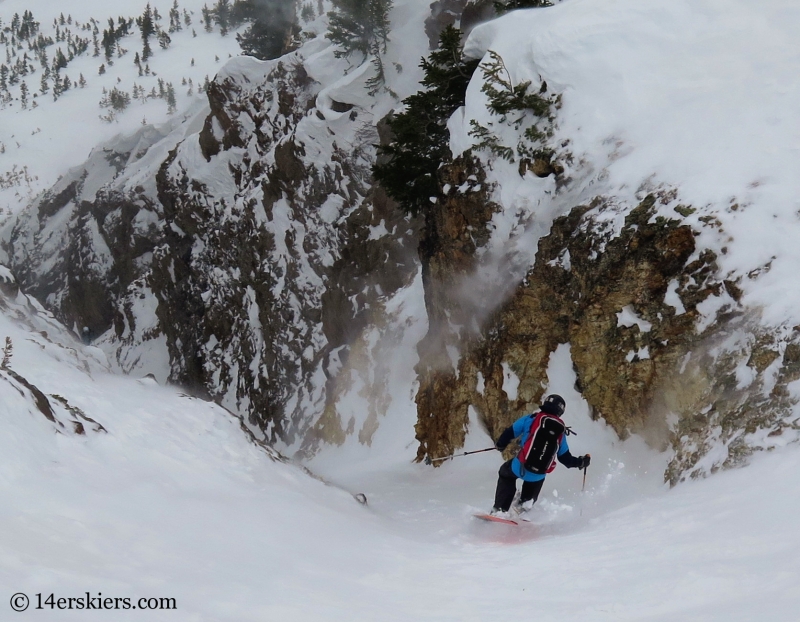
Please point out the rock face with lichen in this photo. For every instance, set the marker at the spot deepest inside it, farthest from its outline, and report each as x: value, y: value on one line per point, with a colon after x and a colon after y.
x: 582, y: 281
x: 627, y: 302
x: 733, y: 396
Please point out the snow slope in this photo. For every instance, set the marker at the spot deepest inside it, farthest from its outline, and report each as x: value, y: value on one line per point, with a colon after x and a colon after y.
x: 174, y: 501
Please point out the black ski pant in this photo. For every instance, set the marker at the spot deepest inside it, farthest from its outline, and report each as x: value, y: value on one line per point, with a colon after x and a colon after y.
x: 507, y: 487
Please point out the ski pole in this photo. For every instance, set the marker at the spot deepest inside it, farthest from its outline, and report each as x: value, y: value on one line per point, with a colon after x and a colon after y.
x: 429, y: 460
x: 583, y: 488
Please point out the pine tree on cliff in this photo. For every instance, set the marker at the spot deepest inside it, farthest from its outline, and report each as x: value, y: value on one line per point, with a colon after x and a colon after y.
x: 271, y: 27
x: 358, y: 25
x: 263, y: 39
x: 361, y: 26
x: 407, y: 167
x: 504, y: 6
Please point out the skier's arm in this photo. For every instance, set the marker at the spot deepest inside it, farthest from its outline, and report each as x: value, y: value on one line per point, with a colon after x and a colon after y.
x: 510, y: 433
x: 505, y: 438
x: 568, y: 460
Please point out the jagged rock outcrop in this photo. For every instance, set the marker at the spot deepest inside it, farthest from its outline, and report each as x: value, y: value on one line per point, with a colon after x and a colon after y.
x: 604, y: 293
x: 646, y: 360
x: 233, y: 260
x: 44, y: 331
x: 735, y: 397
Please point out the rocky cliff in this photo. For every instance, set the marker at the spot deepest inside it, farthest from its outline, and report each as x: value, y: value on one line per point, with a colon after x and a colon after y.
x: 240, y: 260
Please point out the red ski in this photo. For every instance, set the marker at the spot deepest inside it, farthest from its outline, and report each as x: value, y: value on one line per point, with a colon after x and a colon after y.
x: 495, y: 519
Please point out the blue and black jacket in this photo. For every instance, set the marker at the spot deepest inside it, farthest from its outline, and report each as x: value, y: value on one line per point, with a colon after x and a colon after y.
x: 522, y: 428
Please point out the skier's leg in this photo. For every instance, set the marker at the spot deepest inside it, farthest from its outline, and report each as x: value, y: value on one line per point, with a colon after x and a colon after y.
x: 530, y: 491
x: 506, y: 487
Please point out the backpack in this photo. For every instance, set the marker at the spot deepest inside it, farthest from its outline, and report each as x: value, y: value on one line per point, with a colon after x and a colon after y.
x: 538, y: 454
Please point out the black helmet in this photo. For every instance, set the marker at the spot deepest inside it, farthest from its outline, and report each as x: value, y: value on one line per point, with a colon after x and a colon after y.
x: 554, y: 405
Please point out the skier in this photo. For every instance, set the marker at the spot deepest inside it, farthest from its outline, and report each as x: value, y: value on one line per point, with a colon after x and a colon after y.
x: 543, y: 439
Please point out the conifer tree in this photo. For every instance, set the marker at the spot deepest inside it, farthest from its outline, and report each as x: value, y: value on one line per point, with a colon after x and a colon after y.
x: 116, y: 100
x: 307, y: 12
x: 207, y: 17
x: 222, y: 14
x: 60, y: 61
x: 359, y: 26
x: 408, y: 167
x: 172, y: 105
x: 174, y: 18
x: 264, y: 39
x: 23, y: 95
x: 272, y: 25
x: 58, y: 86
x: 147, y: 28
x: 108, y: 44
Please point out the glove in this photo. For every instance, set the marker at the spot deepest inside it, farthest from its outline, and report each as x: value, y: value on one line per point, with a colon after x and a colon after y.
x: 585, y: 460
x: 498, y: 448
